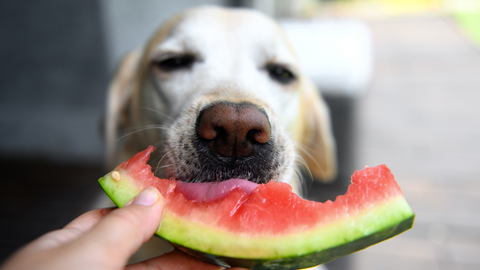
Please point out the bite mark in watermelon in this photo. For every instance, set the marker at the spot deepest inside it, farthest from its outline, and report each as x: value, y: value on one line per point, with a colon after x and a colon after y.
x: 269, y: 227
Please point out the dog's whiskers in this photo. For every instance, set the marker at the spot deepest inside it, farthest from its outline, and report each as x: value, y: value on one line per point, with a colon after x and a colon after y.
x: 307, y: 153
x: 147, y: 127
x: 157, y: 111
x: 300, y: 179
x: 300, y: 162
x: 160, y: 161
x: 164, y: 166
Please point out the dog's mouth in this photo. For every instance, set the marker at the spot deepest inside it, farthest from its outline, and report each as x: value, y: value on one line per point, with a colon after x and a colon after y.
x: 207, y: 191
x: 212, y: 191
x: 209, y: 170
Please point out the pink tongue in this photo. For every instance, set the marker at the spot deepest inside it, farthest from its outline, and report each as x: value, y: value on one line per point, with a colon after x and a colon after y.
x: 211, y: 191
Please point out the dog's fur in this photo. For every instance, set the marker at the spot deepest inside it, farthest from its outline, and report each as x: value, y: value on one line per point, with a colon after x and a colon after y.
x: 231, y: 50
x: 232, y: 56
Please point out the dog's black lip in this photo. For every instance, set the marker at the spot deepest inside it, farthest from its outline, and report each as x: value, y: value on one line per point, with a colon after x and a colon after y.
x: 257, y: 169
x: 195, y: 179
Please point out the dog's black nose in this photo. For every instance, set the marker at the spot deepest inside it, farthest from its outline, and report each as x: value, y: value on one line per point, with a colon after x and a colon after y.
x: 232, y: 130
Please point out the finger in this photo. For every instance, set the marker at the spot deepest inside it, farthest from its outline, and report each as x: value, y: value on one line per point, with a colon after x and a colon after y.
x: 172, y: 260
x: 119, y: 234
x: 88, y: 220
x: 75, y: 228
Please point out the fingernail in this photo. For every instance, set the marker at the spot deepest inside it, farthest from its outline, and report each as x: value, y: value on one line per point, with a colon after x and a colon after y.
x: 147, y: 197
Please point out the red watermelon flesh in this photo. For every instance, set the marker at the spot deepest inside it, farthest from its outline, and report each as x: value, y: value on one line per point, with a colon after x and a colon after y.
x: 268, y: 222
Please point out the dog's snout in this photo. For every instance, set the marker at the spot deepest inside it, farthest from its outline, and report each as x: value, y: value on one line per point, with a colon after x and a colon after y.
x: 233, y: 129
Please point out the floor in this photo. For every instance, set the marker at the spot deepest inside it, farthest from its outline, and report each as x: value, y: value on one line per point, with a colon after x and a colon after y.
x: 421, y: 117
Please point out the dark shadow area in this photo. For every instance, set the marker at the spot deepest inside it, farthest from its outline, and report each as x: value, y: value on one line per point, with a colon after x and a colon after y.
x: 53, y: 80
x: 53, y: 83
x: 39, y: 197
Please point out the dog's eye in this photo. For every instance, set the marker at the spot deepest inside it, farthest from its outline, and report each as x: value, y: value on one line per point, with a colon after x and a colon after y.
x: 175, y: 63
x: 280, y: 74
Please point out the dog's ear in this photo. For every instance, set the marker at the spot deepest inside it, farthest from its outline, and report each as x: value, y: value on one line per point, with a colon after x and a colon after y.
x: 315, y: 134
x: 118, y: 99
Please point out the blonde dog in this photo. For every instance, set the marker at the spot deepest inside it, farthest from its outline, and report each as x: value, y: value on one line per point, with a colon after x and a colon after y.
x: 220, y: 93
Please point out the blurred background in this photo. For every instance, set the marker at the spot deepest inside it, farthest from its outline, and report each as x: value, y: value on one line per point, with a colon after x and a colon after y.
x: 401, y: 77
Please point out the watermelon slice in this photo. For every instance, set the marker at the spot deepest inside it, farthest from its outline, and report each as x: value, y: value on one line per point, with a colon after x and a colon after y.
x: 267, y: 226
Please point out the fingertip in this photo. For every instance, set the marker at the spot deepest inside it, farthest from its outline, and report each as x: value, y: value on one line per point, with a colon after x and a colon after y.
x: 147, y: 197
x: 151, y: 204
x: 135, y: 223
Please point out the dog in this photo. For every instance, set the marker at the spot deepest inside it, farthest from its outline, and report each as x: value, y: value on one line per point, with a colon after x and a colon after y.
x: 220, y: 94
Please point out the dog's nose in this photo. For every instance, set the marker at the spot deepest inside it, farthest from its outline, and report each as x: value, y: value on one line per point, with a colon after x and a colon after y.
x: 233, y: 130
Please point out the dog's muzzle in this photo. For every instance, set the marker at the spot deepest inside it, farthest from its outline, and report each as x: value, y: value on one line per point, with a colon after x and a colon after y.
x: 234, y: 141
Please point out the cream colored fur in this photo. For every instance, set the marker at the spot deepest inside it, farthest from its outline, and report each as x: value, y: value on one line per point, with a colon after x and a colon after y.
x: 147, y: 106
x: 233, y: 46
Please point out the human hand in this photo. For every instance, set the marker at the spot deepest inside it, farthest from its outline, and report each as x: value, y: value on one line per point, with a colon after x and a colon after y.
x: 104, y: 239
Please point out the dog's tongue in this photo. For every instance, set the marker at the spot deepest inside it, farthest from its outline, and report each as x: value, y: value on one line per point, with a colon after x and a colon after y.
x: 211, y: 191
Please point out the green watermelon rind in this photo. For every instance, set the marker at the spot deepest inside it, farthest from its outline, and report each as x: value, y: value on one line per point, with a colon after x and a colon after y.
x: 279, y: 246
x: 119, y: 192
x: 308, y: 260
x: 327, y: 255
x: 303, y: 249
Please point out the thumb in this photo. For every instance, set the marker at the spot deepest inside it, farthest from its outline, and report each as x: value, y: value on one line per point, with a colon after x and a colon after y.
x: 123, y: 231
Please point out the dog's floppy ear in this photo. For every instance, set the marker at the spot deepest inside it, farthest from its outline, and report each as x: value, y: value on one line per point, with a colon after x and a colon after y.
x: 315, y: 134
x: 118, y: 99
